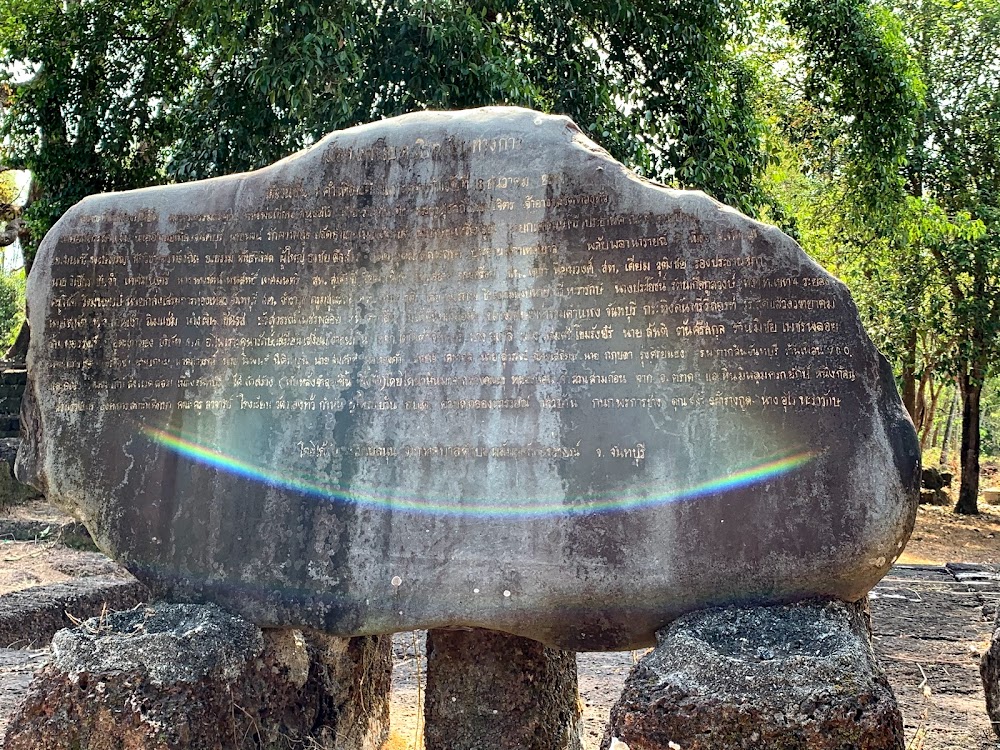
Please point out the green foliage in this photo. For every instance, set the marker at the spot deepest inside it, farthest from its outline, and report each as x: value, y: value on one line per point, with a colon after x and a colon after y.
x: 87, y: 84
x: 990, y: 428
x: 655, y: 82
x: 868, y: 129
x: 106, y: 96
x: 862, y: 71
x: 8, y: 210
x: 801, y: 111
x: 11, y: 306
x: 917, y: 235
x: 954, y: 163
x: 8, y: 188
x: 953, y: 215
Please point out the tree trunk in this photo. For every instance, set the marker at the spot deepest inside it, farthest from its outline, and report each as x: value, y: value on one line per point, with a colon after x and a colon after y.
x: 910, y: 376
x: 928, y: 416
x: 968, y: 492
x: 29, y: 243
x: 948, y: 425
x: 933, y: 439
x: 11, y: 232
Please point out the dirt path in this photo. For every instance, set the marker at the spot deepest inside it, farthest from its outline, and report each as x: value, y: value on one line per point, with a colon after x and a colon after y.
x: 931, y: 626
x: 942, y: 536
x: 17, y: 667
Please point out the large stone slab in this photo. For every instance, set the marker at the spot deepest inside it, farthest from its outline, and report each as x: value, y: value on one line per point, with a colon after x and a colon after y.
x: 30, y: 617
x: 461, y: 369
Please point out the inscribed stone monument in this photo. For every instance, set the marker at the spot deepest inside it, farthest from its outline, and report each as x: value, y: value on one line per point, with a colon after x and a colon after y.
x: 461, y: 369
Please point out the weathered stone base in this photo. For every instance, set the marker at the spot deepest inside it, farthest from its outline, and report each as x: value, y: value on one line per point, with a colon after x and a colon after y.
x: 493, y: 691
x: 191, y: 677
x: 798, y: 677
x: 29, y: 618
x: 989, y: 668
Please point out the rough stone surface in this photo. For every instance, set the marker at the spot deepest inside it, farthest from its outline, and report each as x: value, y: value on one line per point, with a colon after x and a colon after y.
x: 71, y: 533
x: 493, y: 691
x: 190, y: 677
x: 12, y: 385
x: 932, y: 478
x: 460, y: 369
x: 13, y: 378
x: 30, y: 617
x: 799, y: 677
x: 934, y: 484
x: 935, y: 497
x: 989, y: 668
x: 8, y: 450
x: 12, y: 492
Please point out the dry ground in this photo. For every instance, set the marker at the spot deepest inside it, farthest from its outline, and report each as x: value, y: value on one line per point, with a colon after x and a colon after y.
x: 931, y: 628
x: 941, y: 536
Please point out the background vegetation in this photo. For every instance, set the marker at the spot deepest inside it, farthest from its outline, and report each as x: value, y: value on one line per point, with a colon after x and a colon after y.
x: 868, y: 129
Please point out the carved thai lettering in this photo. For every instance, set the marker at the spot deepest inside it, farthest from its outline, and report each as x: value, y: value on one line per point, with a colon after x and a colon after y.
x: 755, y: 325
x: 738, y: 352
x: 810, y: 326
x: 487, y: 404
x: 835, y: 373
x: 703, y: 285
x: 648, y: 286
x: 634, y: 453
x: 742, y: 402
x: 794, y: 373
x: 726, y: 261
x: 627, y: 403
x: 655, y: 355
x: 700, y: 329
x: 559, y: 404
x: 160, y: 321
x: 583, y: 290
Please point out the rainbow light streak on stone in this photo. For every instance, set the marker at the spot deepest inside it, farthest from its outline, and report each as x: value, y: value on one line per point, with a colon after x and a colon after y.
x: 608, y: 503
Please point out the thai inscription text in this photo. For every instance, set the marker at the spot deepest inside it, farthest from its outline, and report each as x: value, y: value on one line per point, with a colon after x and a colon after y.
x: 482, y: 293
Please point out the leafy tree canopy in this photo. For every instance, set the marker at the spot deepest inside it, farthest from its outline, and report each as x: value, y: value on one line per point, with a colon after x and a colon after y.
x: 956, y: 164
x: 8, y: 188
x: 85, y: 97
x: 103, y: 95
x: 922, y: 260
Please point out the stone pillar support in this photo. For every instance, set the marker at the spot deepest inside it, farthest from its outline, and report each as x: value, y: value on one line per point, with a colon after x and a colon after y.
x: 492, y: 691
x: 797, y: 677
x: 194, y: 677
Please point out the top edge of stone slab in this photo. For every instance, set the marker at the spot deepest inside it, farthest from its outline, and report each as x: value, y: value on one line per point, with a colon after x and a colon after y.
x: 559, y: 130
